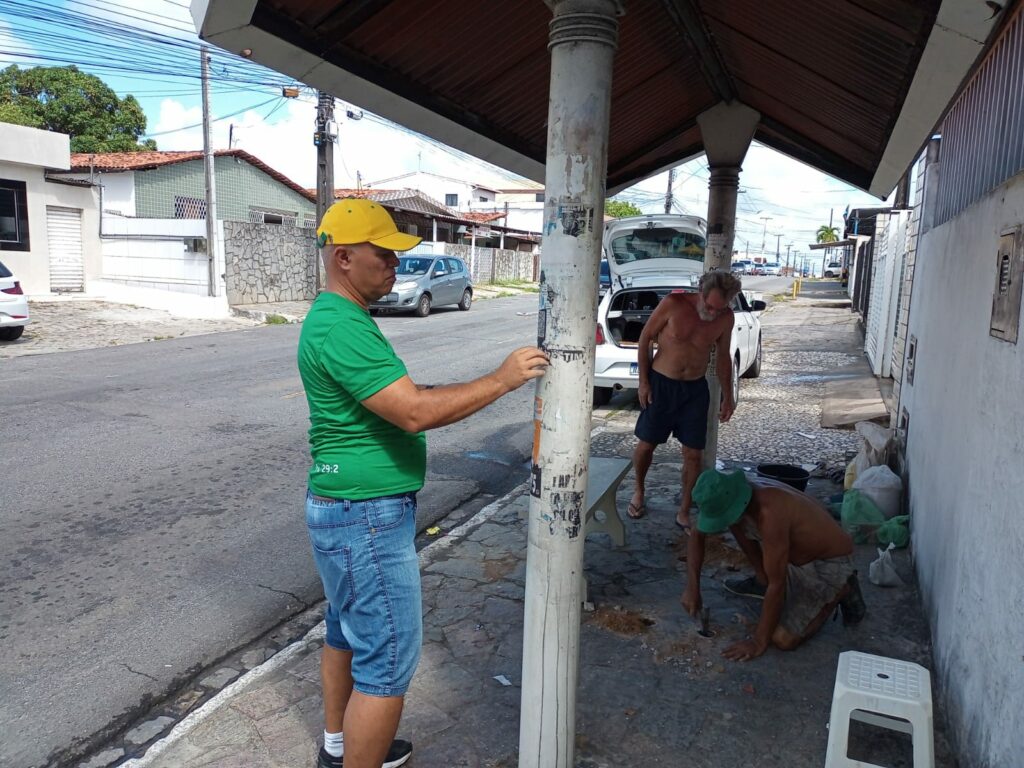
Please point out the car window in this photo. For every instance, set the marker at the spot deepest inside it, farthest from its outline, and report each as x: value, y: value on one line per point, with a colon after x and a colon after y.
x: 413, y: 266
x: 455, y: 266
x: 440, y: 268
x: 645, y: 243
x: 4, y: 271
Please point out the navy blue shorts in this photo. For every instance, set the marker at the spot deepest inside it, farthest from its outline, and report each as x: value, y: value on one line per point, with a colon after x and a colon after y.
x: 677, y: 408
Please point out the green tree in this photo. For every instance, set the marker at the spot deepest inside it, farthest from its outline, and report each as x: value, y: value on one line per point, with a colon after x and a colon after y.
x: 827, y: 234
x: 66, y: 100
x: 620, y: 208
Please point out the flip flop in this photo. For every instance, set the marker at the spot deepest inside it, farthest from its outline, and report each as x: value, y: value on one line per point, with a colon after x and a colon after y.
x: 636, y: 511
x: 680, y: 526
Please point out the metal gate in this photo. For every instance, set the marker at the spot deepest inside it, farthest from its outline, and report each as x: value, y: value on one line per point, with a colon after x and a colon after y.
x: 67, y: 266
x: 890, y: 251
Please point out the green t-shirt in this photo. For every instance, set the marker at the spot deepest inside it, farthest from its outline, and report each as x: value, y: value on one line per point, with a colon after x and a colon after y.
x: 344, y: 359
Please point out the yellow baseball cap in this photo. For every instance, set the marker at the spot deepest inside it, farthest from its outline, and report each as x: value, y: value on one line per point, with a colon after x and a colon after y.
x: 355, y: 220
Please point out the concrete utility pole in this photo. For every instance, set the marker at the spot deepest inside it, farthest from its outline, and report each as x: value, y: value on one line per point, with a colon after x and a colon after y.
x: 211, y: 178
x: 778, y: 242
x: 727, y: 131
x: 789, y: 246
x: 668, y: 192
x: 582, y: 39
x: 764, y: 234
x: 323, y: 138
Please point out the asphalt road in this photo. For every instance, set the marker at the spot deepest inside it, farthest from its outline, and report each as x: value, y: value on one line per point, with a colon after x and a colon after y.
x: 151, y: 505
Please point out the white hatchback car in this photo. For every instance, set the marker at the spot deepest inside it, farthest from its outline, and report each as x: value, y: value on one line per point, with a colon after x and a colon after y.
x: 13, y: 306
x: 650, y: 257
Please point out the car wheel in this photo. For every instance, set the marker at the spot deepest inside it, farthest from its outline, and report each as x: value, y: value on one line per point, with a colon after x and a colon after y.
x: 467, y: 300
x: 829, y: 274
x: 423, y: 306
x: 602, y: 395
x: 755, y: 367
x: 11, y: 333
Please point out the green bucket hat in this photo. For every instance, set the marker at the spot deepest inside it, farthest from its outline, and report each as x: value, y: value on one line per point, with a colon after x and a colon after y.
x: 721, y: 499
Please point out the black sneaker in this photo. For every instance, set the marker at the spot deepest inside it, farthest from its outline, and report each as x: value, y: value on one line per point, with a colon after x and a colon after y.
x: 746, y: 586
x: 853, y: 606
x: 399, y: 754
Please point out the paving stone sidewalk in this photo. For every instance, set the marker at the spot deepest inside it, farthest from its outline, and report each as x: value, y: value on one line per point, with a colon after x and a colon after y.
x: 651, y: 690
x: 62, y: 326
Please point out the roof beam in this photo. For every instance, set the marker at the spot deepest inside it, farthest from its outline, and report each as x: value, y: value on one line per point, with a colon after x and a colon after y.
x: 687, y: 17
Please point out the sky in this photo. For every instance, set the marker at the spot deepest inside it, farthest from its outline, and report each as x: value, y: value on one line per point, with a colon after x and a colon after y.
x: 149, y: 48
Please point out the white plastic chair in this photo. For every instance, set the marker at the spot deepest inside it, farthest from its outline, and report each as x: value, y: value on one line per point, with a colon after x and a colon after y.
x: 886, y: 693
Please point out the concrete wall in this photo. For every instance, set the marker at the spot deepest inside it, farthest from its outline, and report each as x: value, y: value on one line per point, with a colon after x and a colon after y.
x: 32, y: 146
x: 118, y: 189
x: 493, y: 264
x: 32, y: 267
x: 168, y: 254
x: 965, y: 454
x: 268, y: 262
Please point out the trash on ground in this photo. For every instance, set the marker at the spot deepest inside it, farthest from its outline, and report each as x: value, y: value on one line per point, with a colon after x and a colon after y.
x: 433, y: 530
x: 882, y: 572
x: 895, y: 531
x: 860, y: 517
x: 874, y: 450
x: 503, y: 680
x: 882, y: 486
x: 809, y: 437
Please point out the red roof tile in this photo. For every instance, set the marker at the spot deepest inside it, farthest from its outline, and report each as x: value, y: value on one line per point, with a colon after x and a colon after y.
x: 82, y: 162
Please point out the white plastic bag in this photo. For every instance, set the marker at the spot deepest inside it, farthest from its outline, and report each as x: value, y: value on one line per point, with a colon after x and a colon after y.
x: 882, y: 486
x: 874, y: 450
x: 882, y: 572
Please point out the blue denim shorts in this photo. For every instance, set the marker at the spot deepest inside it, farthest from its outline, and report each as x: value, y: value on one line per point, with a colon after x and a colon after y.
x: 366, y: 555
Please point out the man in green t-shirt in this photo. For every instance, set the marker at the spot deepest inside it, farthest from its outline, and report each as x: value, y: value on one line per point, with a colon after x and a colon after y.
x: 369, y: 459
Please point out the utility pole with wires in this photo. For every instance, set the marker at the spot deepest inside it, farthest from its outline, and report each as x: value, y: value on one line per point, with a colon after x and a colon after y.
x: 668, y: 192
x: 211, y: 178
x: 778, y: 246
x: 764, y: 234
x: 324, y: 138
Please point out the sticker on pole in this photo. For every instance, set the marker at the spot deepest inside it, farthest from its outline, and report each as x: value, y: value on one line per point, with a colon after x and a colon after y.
x: 576, y: 219
x: 542, y: 327
x: 535, y: 481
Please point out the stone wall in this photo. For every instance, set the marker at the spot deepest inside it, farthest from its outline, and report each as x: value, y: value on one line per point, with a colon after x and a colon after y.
x: 268, y: 262
x: 495, y: 265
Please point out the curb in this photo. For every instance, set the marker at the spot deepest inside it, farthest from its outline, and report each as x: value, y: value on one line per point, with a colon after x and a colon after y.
x: 261, y: 317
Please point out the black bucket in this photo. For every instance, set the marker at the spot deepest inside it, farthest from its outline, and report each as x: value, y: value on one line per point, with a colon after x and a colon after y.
x: 796, y: 477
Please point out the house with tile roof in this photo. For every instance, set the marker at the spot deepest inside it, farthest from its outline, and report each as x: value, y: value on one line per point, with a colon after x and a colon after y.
x: 153, y: 224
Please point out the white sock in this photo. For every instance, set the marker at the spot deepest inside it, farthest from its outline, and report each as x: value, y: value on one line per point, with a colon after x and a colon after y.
x: 334, y: 743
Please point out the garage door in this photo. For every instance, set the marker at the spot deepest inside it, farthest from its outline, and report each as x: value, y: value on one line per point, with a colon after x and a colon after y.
x: 64, y: 229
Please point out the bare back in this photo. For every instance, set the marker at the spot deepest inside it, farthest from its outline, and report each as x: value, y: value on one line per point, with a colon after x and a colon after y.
x: 684, y: 340
x: 810, y: 529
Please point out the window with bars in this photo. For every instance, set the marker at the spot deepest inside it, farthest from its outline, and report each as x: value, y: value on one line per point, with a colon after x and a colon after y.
x: 271, y: 216
x: 189, y: 207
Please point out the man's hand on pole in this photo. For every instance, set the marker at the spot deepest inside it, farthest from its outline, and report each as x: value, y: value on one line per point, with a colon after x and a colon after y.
x: 522, y: 365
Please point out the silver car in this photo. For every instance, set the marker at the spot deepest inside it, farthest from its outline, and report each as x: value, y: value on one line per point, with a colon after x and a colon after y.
x: 428, y: 280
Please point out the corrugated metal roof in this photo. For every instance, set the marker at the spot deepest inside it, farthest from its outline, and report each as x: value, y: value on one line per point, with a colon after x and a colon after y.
x: 829, y: 76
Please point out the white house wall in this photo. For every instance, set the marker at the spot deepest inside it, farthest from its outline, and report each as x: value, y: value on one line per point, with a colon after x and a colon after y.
x: 34, y: 147
x: 118, y: 190
x: 965, y: 459
x: 32, y: 267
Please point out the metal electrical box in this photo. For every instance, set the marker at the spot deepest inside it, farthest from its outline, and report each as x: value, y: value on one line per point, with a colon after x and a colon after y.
x: 1009, y: 280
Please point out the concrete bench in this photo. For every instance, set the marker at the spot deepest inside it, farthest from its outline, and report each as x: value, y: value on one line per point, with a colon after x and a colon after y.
x: 603, y: 479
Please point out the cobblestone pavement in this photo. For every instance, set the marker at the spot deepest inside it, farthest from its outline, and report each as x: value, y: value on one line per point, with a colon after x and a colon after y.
x: 651, y: 690
x: 778, y: 418
x: 61, y: 326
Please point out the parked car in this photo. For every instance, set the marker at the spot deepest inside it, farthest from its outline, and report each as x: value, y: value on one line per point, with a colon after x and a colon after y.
x: 650, y: 257
x: 834, y: 269
x: 604, y: 279
x: 740, y: 267
x: 428, y: 280
x: 13, y: 306
x: 772, y: 268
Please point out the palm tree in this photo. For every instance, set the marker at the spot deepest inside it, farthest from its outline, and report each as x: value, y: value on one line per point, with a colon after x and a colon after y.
x: 827, y: 234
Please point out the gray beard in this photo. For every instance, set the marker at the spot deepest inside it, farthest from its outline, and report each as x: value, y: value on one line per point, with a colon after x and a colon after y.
x: 703, y: 314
